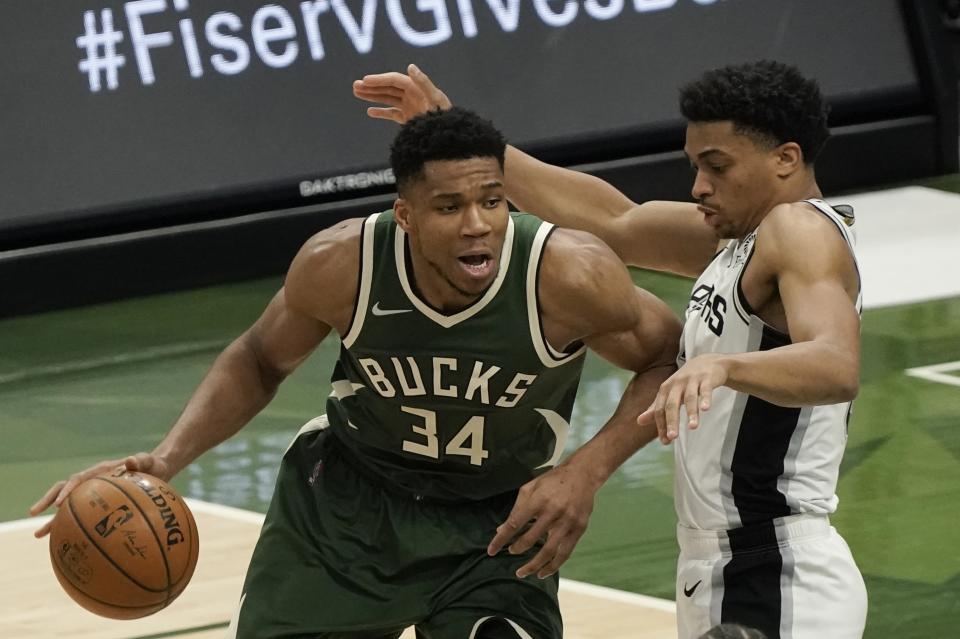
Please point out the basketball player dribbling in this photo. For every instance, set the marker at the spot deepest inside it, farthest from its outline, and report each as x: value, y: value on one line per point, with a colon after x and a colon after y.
x: 770, y: 349
x: 463, y: 331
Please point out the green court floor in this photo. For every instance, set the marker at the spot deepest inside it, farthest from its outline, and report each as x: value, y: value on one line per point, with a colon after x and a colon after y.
x: 88, y: 384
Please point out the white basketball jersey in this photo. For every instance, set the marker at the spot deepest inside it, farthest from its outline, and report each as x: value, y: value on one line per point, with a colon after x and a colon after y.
x: 751, y: 461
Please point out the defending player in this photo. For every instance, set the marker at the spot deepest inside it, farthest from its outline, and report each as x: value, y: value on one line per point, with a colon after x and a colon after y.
x: 463, y: 331
x: 771, y: 346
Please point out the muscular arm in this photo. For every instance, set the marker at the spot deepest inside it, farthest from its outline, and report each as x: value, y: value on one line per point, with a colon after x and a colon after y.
x: 812, y: 269
x: 245, y: 377
x: 317, y: 294
x: 242, y: 381
x: 665, y: 236
x: 817, y: 281
x: 586, y: 294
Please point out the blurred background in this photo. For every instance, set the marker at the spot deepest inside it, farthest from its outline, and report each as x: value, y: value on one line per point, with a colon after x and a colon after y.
x: 161, y: 161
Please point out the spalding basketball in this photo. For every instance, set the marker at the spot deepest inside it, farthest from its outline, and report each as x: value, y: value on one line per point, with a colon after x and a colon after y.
x: 124, y: 545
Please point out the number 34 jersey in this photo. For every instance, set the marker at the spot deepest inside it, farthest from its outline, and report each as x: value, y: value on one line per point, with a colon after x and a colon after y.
x: 751, y: 461
x: 458, y: 406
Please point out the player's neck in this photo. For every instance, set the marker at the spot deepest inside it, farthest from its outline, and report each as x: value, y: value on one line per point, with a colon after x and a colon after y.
x: 432, y: 286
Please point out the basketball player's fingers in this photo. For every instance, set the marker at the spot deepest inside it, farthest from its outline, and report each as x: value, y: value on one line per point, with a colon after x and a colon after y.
x: 361, y: 88
x: 690, y: 397
x: 543, y: 557
x: 646, y: 418
x: 529, y: 538
x: 521, y: 514
x: 672, y: 410
x: 43, y: 530
x: 78, y: 478
x: 383, y: 113
x: 378, y: 95
x: 389, y: 79
x: 436, y: 97
x: 44, y: 502
x: 146, y: 463
x: 564, y: 550
x: 706, y: 395
x: 659, y: 416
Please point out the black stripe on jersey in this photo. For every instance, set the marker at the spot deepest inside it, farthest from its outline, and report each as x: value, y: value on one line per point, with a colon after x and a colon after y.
x: 763, y: 440
x: 738, y: 289
x: 751, y: 579
x: 782, y: 338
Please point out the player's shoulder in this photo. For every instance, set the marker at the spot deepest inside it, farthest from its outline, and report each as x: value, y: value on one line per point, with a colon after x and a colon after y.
x: 578, y: 263
x: 341, y: 237
x: 327, y: 263
x: 797, y: 221
x: 797, y: 232
x: 580, y: 274
x: 580, y: 252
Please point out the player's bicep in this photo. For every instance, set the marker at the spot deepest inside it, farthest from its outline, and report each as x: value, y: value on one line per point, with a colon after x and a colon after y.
x: 819, y: 308
x: 652, y: 341
x: 818, y: 282
x: 284, y: 336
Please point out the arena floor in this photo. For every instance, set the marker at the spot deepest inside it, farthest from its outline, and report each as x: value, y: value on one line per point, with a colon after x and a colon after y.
x: 86, y: 384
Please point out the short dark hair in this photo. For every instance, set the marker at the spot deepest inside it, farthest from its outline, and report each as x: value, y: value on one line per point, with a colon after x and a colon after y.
x: 454, y: 134
x: 770, y: 100
x: 732, y: 631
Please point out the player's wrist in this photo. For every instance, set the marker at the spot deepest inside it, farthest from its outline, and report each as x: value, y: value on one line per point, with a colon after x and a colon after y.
x: 592, y: 473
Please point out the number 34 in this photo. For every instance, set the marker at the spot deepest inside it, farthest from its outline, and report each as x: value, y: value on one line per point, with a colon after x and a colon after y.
x: 468, y: 442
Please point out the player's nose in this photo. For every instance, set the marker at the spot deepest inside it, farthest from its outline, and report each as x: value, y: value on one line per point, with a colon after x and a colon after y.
x: 701, y: 187
x: 474, y: 223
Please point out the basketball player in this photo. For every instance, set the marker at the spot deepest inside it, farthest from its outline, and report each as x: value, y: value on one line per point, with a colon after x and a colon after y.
x: 463, y: 329
x: 770, y: 350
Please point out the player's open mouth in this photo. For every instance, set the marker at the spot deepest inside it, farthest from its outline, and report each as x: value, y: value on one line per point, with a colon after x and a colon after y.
x: 476, y: 265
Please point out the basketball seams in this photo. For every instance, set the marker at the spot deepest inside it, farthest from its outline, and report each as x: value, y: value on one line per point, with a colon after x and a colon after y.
x: 194, y: 548
x: 163, y: 555
x: 58, y: 571
x: 93, y: 542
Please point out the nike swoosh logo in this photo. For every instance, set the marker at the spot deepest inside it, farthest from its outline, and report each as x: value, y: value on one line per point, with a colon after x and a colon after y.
x: 689, y: 592
x: 381, y: 312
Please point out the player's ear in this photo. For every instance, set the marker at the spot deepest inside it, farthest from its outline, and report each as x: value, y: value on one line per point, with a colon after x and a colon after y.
x: 401, y: 213
x: 789, y: 157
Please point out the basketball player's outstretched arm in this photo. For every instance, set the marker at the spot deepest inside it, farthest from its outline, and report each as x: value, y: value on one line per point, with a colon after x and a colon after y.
x: 806, y: 261
x: 586, y: 295
x: 665, y: 236
x: 246, y: 375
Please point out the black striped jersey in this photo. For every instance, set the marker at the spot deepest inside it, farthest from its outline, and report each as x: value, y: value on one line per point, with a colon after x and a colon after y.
x: 457, y: 406
x: 750, y: 460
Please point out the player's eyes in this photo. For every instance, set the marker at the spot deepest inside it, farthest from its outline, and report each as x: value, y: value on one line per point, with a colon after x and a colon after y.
x: 493, y: 203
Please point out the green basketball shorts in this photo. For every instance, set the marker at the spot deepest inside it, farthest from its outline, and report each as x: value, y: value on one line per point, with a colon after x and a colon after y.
x: 344, y: 555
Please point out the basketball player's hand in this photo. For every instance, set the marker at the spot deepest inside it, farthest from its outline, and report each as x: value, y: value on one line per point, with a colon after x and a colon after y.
x: 406, y: 95
x: 141, y: 462
x: 690, y: 387
x: 557, y: 506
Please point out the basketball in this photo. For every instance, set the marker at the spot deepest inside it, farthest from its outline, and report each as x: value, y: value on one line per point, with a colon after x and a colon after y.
x: 124, y: 545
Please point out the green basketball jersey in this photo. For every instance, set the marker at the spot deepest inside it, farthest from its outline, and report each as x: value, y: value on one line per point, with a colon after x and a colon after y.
x: 459, y: 406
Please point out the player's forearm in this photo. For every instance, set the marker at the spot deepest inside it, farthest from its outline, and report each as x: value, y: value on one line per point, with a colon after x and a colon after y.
x: 621, y: 437
x: 234, y: 390
x: 802, y: 374
x: 566, y: 198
